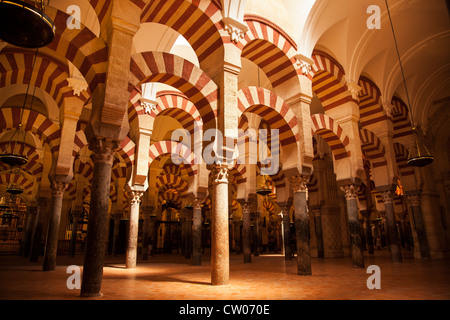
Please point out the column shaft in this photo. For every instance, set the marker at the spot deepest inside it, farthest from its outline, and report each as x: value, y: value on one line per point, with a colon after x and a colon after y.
x: 302, y: 225
x: 51, y: 247
x: 197, y: 234
x: 220, y: 254
x: 353, y: 223
x: 246, y: 234
x: 133, y: 228
x: 98, y: 218
x: 393, y: 240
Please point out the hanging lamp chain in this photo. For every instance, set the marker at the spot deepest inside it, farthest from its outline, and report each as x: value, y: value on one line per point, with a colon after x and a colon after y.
x: 401, y: 66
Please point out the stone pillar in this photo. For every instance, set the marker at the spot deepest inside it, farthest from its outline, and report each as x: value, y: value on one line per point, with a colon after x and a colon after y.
x: 256, y: 233
x: 287, y: 230
x: 77, y: 215
x: 188, y: 228
x: 133, y: 228
x: 116, y: 217
x: 302, y: 224
x: 31, y: 221
x: 220, y: 254
x: 351, y: 195
x: 51, y: 247
x: 103, y: 155
x: 315, y: 210
x: 246, y: 240
x: 392, y: 234
x: 145, y: 232
x: 237, y: 236
x: 197, y: 232
x: 416, y: 213
x: 368, y: 230
x: 36, y: 239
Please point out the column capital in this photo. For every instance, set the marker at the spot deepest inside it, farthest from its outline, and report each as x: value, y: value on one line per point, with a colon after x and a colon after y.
x: 58, y: 188
x: 136, y: 196
x: 103, y: 149
x: 298, y: 183
x: 350, y: 190
x: 413, y: 199
x: 387, y: 196
x: 219, y: 173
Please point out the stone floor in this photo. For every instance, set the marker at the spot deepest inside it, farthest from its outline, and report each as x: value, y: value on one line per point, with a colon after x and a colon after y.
x: 268, y: 277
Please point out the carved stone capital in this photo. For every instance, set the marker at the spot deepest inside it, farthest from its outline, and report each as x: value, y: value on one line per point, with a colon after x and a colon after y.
x: 414, y: 200
x: 298, y: 183
x: 219, y: 174
x: 58, y: 188
x: 103, y: 150
x: 351, y: 191
x: 387, y: 196
x: 135, y: 196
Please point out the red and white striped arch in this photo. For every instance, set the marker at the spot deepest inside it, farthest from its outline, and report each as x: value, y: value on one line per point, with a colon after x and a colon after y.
x: 81, y: 47
x: 168, y: 181
x: 373, y: 148
x: 400, y: 118
x: 401, y: 157
x: 198, y: 21
x: 273, y: 109
x: 181, y: 74
x: 332, y: 133
x: 328, y: 81
x: 33, y: 122
x: 171, y: 148
x: 269, y: 47
x: 370, y: 108
x: 49, y: 74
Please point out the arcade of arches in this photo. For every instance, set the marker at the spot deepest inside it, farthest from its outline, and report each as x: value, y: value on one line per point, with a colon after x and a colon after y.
x: 111, y: 95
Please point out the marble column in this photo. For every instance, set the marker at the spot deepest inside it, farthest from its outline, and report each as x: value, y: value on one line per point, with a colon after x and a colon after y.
x: 393, y: 239
x: 103, y: 155
x: 188, y: 228
x: 416, y: 212
x: 28, y: 234
x: 237, y: 236
x: 315, y: 210
x: 351, y: 195
x: 246, y: 233
x: 256, y: 233
x: 287, y: 230
x: 116, y: 218
x: 368, y: 230
x: 302, y: 224
x: 77, y: 215
x: 51, y: 247
x: 36, y: 239
x: 145, y: 232
x: 197, y: 232
x: 133, y: 228
x: 220, y: 255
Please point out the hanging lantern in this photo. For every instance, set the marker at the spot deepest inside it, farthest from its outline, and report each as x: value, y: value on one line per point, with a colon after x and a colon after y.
x: 264, y: 190
x: 14, y: 189
x: 418, y: 154
x: 25, y: 25
x: 13, y: 158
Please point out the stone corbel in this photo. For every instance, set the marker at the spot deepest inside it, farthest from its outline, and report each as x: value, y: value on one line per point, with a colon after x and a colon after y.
x: 304, y: 64
x: 354, y: 89
x: 233, y: 14
x: 235, y: 29
x: 388, y: 108
x: 78, y: 85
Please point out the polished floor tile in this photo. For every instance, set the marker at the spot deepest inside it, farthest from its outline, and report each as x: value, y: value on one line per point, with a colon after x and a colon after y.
x: 268, y: 277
